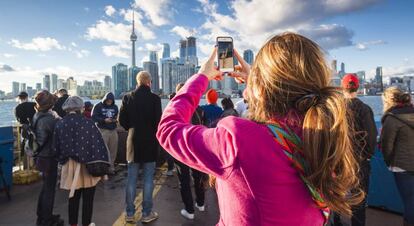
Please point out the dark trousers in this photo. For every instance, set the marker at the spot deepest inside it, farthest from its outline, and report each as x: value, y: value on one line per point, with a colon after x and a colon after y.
x: 405, y: 185
x: 200, y: 180
x: 170, y: 162
x: 358, y: 212
x: 48, y: 167
x: 87, y: 206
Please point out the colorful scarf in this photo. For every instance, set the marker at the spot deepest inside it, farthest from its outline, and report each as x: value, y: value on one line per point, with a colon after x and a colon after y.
x: 292, y: 147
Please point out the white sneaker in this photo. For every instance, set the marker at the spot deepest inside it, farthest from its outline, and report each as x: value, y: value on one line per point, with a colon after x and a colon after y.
x: 187, y: 215
x: 92, y: 224
x: 200, y: 208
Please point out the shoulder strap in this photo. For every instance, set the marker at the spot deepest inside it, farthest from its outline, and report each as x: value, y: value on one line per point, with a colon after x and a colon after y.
x: 292, y: 147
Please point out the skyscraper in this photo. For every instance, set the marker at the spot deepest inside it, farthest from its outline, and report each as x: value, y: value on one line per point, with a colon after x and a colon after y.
x: 182, y: 72
x: 119, y: 79
x: 107, y: 82
x: 183, y: 51
x: 248, y: 56
x: 71, y: 84
x: 378, y: 79
x: 153, y: 56
x: 38, y: 86
x: 133, y: 38
x: 132, y: 77
x: 152, y: 68
x: 23, y: 87
x: 46, y: 82
x: 342, y: 72
x: 15, y: 89
x: 191, y: 51
x: 167, y: 68
x: 165, y: 50
x: 334, y: 66
x: 54, y: 83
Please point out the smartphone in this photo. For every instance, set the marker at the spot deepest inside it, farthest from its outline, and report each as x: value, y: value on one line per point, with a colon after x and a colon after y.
x: 225, y: 54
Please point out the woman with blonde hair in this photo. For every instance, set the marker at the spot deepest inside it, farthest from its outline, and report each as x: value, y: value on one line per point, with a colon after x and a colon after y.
x: 397, y: 145
x: 292, y: 162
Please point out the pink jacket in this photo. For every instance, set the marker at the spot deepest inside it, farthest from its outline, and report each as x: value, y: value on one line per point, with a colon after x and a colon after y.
x: 256, y: 184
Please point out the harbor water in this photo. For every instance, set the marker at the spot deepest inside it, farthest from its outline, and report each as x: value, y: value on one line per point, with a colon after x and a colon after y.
x: 7, y: 108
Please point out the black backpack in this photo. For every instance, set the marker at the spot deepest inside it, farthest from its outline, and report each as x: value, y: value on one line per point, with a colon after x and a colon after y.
x: 31, y: 146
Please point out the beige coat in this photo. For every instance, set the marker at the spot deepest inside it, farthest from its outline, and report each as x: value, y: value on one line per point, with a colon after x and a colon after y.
x: 68, y: 180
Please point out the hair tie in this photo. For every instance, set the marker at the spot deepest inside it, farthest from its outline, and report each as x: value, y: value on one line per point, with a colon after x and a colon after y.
x: 307, y: 101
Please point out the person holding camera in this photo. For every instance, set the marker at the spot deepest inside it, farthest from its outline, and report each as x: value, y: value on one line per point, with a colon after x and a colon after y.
x: 291, y: 162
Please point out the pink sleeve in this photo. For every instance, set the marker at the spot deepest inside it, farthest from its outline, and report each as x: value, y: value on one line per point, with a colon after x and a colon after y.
x: 208, y: 150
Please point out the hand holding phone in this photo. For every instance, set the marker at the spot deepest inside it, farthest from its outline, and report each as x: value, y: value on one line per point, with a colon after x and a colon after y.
x: 225, y: 54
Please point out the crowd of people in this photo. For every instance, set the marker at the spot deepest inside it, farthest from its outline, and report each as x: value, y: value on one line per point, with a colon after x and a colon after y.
x: 294, y: 151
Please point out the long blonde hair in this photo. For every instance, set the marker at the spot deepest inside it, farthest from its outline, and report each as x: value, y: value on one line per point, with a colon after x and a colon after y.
x: 393, y: 97
x: 290, y: 72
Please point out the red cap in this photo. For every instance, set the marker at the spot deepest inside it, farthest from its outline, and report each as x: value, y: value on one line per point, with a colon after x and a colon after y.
x: 212, y: 96
x: 350, y: 81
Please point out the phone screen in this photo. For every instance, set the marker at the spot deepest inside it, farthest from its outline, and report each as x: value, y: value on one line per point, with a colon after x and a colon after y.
x: 225, y: 54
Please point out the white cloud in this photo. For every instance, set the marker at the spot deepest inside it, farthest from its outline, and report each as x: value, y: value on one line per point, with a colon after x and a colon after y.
x: 176, y: 53
x: 109, y: 31
x: 252, y: 22
x: 110, y: 10
x: 9, y: 55
x: 398, y: 70
x: 158, y: 11
x: 151, y: 47
x: 38, y: 44
x: 6, y: 68
x: 115, y: 51
x: 82, y: 53
x: 183, y: 32
x: 74, y: 44
x: 365, y: 45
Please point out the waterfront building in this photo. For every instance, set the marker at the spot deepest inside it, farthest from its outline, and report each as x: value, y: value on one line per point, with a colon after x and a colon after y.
x: 378, y: 79
x: 2, y: 94
x: 46, y: 82
x: 107, y: 82
x: 191, y: 51
x: 248, y: 56
x: 183, y: 51
x: 342, y: 72
x: 38, y: 86
x: 153, y: 56
x: 30, y: 91
x: 54, y: 81
x: 23, y: 87
x: 59, y: 84
x: 397, y: 82
x: 71, y: 86
x: 15, y: 89
x: 181, y: 73
x: 334, y: 66
x: 132, y: 77
x: 165, y: 51
x: 119, y: 79
x: 92, y: 89
x: 168, y: 65
x: 152, y: 68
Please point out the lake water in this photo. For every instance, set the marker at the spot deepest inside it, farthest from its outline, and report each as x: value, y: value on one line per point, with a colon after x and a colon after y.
x: 7, y: 108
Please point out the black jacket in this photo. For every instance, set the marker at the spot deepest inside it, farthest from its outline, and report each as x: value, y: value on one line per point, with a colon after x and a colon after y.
x: 45, y: 125
x: 365, y: 129
x: 24, y: 112
x: 58, y: 105
x: 397, y: 138
x: 141, y: 110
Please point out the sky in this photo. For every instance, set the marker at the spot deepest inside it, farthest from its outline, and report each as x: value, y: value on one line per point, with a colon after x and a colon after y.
x: 85, y: 39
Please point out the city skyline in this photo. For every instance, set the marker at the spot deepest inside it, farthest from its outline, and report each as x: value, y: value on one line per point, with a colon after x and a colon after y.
x: 85, y: 39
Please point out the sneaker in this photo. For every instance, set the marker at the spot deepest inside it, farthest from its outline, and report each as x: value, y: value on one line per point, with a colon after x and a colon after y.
x: 187, y: 215
x: 130, y: 219
x: 92, y: 224
x: 170, y: 173
x: 200, y: 208
x: 151, y: 217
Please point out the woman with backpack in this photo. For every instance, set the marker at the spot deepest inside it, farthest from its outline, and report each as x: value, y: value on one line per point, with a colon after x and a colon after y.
x: 43, y: 124
x: 397, y: 145
x: 291, y: 162
x: 79, y: 145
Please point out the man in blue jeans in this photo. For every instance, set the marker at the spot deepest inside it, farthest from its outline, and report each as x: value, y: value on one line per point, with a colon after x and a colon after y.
x: 140, y: 114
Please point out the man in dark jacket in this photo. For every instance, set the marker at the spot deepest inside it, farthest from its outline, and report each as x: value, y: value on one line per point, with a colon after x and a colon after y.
x: 63, y: 96
x: 44, y: 122
x: 211, y: 110
x: 25, y: 110
x: 365, y: 139
x: 140, y: 114
x: 105, y: 114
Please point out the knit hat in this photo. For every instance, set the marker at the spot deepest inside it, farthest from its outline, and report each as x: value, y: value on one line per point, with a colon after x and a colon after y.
x: 211, y: 96
x: 44, y: 100
x: 73, y: 103
x: 350, y: 82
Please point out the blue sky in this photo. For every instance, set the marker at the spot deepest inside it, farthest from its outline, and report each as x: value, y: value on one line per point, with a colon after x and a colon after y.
x: 85, y: 38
